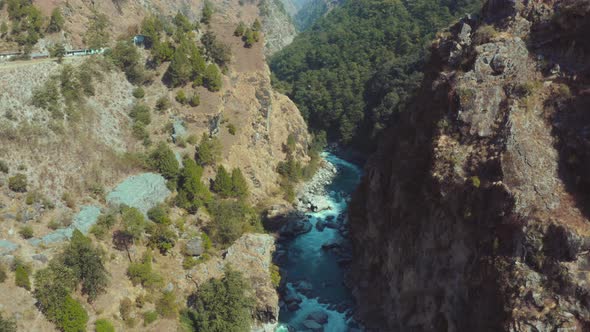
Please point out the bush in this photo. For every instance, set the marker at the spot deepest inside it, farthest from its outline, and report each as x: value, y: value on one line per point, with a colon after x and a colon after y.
x: 140, y: 113
x: 26, y: 232
x: 240, y: 30
x: 484, y: 34
x: 231, y: 128
x: 149, y: 317
x: 142, y: 273
x: 104, y: 223
x: 21, y: 275
x: 56, y: 22
x: 126, y: 56
x: 138, y: 93
x: 69, y: 200
x: 103, y: 325
x: 73, y: 318
x: 207, y: 13
x: 195, y: 100
x: 221, y: 305
x: 181, y: 97
x: 239, y: 184
x: 275, y: 275
x: 208, y: 151
x: 166, y: 305
x: 163, y: 103
x: 3, y: 167
x: 7, y: 325
x: 125, y: 309
x: 159, y: 215
x: 161, y: 238
x: 18, y: 183
x: 231, y: 219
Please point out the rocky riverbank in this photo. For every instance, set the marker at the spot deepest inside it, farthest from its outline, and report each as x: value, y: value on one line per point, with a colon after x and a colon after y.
x: 313, y: 195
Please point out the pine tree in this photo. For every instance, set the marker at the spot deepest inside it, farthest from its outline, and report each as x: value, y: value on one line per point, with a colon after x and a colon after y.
x: 179, y: 72
x: 56, y: 22
x: 223, y: 183
x: 164, y: 160
x: 239, y: 184
x: 192, y: 193
x: 212, y: 78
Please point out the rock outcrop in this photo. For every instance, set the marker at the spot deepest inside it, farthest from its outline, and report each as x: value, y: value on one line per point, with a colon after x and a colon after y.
x: 473, y: 214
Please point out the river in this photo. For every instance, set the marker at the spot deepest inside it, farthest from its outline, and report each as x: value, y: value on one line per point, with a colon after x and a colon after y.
x: 314, y: 275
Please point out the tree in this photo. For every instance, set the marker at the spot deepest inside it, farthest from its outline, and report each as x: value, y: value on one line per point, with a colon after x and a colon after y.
x: 134, y: 223
x: 125, y: 55
x: 256, y: 26
x: 142, y: 272
x: 58, y: 51
x: 249, y: 38
x: 97, y: 35
x: 164, y: 160
x: 192, y: 193
x: 159, y: 215
x: 223, y: 183
x: 140, y: 113
x: 151, y: 28
x: 240, y: 29
x: 179, y: 72
x: 239, y: 184
x: 212, y: 78
x: 86, y: 263
x: 52, y: 286
x: 181, y: 97
x: 182, y: 22
x: 221, y: 305
x: 3, y: 29
x: 195, y: 100
x: 208, y: 150
x: 56, y: 21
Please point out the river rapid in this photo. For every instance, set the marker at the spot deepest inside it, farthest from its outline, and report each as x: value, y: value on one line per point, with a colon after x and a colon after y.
x: 314, y: 297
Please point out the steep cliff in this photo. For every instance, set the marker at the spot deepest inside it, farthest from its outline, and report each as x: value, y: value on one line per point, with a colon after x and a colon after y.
x: 473, y: 214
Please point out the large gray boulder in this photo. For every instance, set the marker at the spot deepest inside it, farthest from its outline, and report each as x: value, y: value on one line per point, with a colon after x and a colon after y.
x: 142, y: 191
x: 194, y: 247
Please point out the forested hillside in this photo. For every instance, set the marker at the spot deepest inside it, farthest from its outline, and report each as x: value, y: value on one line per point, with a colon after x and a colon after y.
x: 354, y: 68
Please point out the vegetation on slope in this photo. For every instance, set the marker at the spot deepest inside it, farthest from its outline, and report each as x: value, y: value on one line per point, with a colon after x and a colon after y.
x: 355, y: 68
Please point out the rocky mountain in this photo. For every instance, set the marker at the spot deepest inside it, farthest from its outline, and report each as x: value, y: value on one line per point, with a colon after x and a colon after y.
x: 473, y: 214
x: 67, y: 159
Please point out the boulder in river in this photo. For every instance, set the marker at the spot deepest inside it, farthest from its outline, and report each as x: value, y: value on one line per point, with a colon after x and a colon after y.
x: 332, y: 224
x: 319, y: 317
x: 320, y: 225
x: 313, y: 326
x: 295, y: 227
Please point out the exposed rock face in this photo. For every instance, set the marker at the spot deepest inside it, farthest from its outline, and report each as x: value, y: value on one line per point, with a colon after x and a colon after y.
x: 278, y: 27
x: 473, y: 214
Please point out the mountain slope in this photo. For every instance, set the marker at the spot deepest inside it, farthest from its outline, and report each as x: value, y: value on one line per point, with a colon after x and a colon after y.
x: 472, y: 215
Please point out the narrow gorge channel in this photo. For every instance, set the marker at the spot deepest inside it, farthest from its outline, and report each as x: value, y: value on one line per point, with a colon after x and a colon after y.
x: 315, y: 252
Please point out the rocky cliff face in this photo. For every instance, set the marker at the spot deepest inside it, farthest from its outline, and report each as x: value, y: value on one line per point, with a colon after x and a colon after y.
x: 473, y: 214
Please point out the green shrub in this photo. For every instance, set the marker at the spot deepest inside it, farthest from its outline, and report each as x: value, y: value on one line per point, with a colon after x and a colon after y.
x: 73, y: 318
x: 138, y: 93
x: 103, y: 325
x: 21, y: 275
x: 275, y: 275
x: 56, y: 22
x: 207, y: 13
x: 231, y: 219
x: 166, y: 305
x: 195, y: 100
x: 212, y: 78
x: 221, y: 303
x: 142, y: 273
x: 231, y: 128
x: 163, y: 103
x: 149, y: 317
x: 192, y: 139
x: 4, y: 167
x: 159, y: 215
x: 208, y: 151
x: 239, y: 184
x: 125, y: 309
x: 484, y: 34
x: 26, y: 232
x: 7, y: 325
x: 140, y: 113
x: 181, y: 97
x: 161, y: 238
x: 104, y: 223
x: 18, y: 183
x: 240, y: 29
